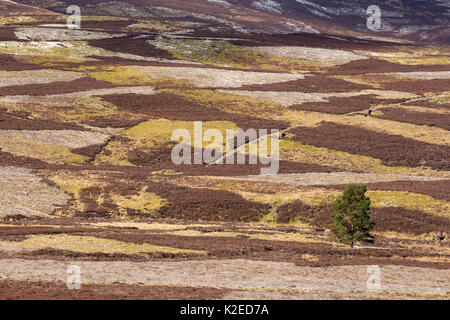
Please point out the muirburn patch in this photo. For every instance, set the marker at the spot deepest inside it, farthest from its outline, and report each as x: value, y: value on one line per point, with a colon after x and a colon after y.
x: 407, y: 221
x: 393, y: 150
x: 18, y: 121
x: 436, y: 189
x: 419, y: 86
x: 387, y: 219
x: 420, y: 118
x: 133, y: 46
x: 343, y: 105
x: 180, y: 203
x: 374, y: 65
x: 27, y: 290
x: 173, y: 107
x: 206, y: 204
x: 8, y: 63
x: 314, y: 83
x: 318, y: 216
x: 61, y: 87
x: 160, y: 159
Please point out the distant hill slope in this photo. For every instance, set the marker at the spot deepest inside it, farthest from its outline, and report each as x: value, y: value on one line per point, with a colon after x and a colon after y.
x: 414, y: 20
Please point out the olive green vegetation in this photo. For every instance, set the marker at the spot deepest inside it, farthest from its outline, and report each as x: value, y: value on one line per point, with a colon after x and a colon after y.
x: 350, y: 218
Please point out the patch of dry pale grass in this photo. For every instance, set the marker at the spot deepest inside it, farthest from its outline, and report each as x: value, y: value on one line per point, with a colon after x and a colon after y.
x: 153, y: 135
x: 50, y: 153
x: 64, y: 109
x: 292, y: 237
x: 73, y: 184
x: 15, y: 78
x: 309, y: 257
x: 149, y: 226
x: 69, y: 138
x: 24, y: 193
x: 290, y: 98
x: 87, y: 244
x: 144, y: 202
x: 410, y: 200
x: 208, y: 77
x: 317, y: 56
x: 318, y: 179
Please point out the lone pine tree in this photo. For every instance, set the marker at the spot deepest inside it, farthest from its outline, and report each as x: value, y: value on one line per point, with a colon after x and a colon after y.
x: 350, y: 218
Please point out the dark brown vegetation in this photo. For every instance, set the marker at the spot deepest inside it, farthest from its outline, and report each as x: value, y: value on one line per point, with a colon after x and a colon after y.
x: 415, y: 117
x: 42, y: 290
x: 343, y: 105
x: 394, y: 150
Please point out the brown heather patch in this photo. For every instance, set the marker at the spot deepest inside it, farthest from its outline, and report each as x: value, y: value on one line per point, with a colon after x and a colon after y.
x: 7, y: 34
x: 419, y: 86
x: 343, y: 105
x: 407, y: 221
x: 133, y: 46
x: 311, y: 83
x: 436, y: 189
x: 95, y: 195
x: 90, y: 151
x: 395, y: 219
x: 106, y: 25
x: 374, y: 65
x: 441, y: 120
x: 43, y: 290
x: 19, y: 120
x: 394, y: 150
x: 275, y: 250
x: 82, y: 84
x: 174, y: 107
x: 8, y: 63
x: 429, y: 103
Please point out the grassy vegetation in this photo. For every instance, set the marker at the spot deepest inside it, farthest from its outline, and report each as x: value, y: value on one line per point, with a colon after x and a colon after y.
x: 224, y: 54
x: 162, y: 26
x: 409, y: 200
x: 152, y: 135
x: 434, y: 60
x: 414, y: 55
x: 376, y: 81
x: 130, y: 76
x: 47, y: 52
x: 144, y: 202
x: 34, y: 149
x: 87, y: 244
x: 229, y: 102
x: 79, y: 111
x: 15, y: 20
x: 426, y: 134
x: 295, y: 151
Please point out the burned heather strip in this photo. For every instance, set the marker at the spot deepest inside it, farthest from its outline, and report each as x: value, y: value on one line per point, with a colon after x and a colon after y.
x: 310, y: 84
x: 60, y: 87
x: 420, y: 118
x: 27, y: 290
x: 343, y: 105
x: 173, y: 107
x: 387, y: 219
x: 394, y: 150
